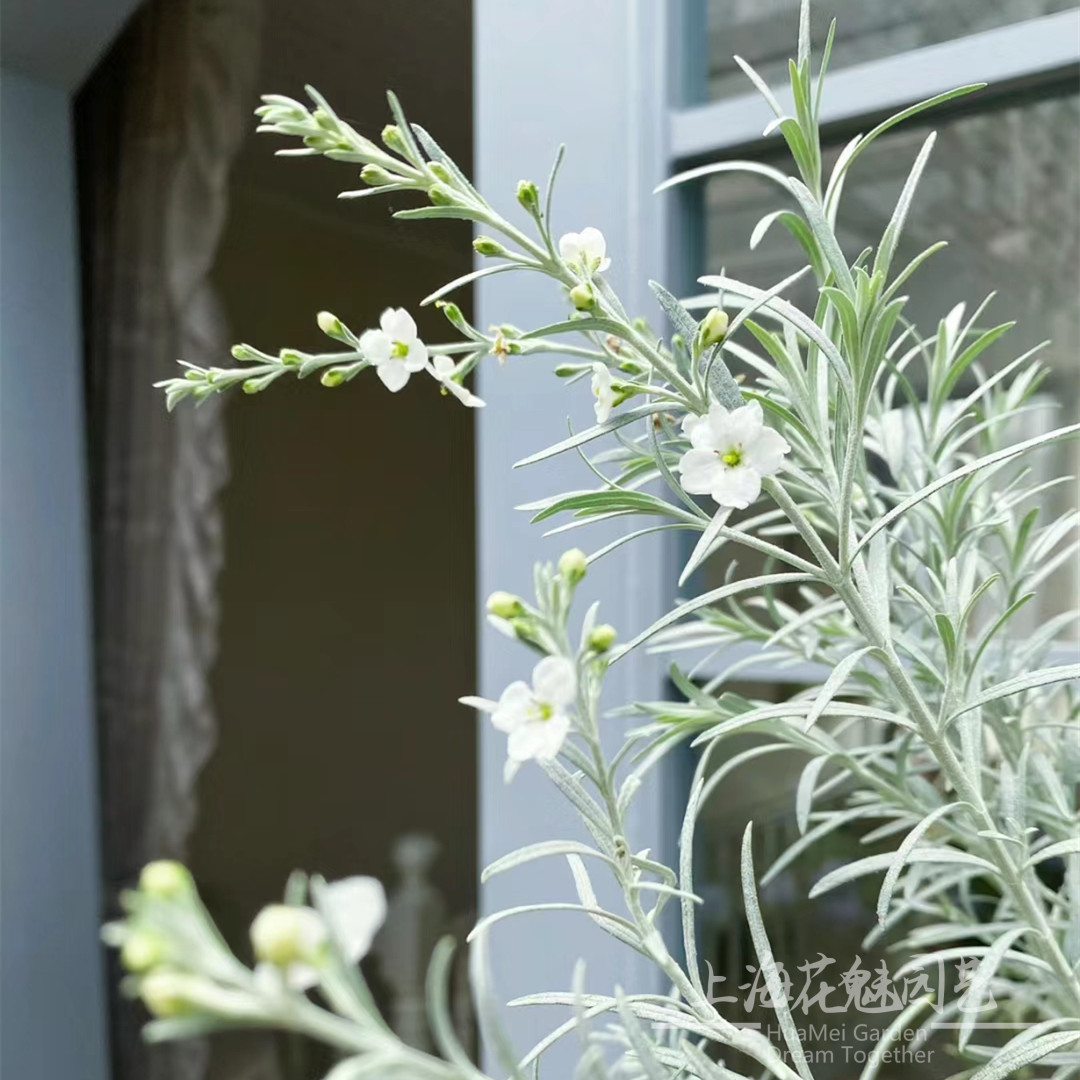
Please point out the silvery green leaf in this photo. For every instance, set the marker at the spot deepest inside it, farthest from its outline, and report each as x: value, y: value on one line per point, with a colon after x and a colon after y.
x: 1032, y: 680
x: 642, y: 1047
x: 681, y: 319
x: 466, y: 279
x: 711, y: 597
x: 899, y: 860
x: 582, y: 437
x: 996, y: 458
x: 755, y: 168
x: 1020, y: 1052
x: 766, y: 962
x: 834, y: 683
x: 824, y: 235
x: 872, y: 864
x: 804, y: 795
x: 1052, y: 851
x: 440, y: 1021
x: 980, y: 982
x: 487, y: 1007
x: 891, y: 237
x: 541, y: 850
x: 706, y: 542
x: 894, y: 1031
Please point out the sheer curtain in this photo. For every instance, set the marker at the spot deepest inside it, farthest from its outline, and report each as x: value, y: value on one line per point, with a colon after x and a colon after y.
x: 158, y: 125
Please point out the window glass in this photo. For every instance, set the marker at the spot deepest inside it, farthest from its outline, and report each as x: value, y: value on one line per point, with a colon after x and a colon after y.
x: 761, y: 31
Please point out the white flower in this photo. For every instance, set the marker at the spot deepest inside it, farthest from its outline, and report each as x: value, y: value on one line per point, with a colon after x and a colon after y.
x: 290, y: 941
x: 394, y: 349
x: 585, y: 251
x: 731, y: 452
x: 442, y: 368
x: 534, y: 717
x: 605, y: 393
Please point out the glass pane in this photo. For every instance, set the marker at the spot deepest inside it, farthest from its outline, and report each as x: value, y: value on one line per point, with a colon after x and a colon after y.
x: 1003, y: 189
x: 763, y: 31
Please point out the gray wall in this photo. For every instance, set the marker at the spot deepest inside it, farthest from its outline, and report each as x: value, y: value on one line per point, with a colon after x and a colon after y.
x: 51, y: 977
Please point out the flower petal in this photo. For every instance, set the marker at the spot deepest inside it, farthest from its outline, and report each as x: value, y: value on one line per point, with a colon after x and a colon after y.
x: 515, y: 707
x: 744, y: 424
x: 593, y: 245
x: 539, y: 740
x: 710, y: 433
x: 393, y: 373
x: 699, y: 470
x: 442, y: 366
x: 570, y: 246
x: 398, y: 324
x: 355, y: 909
x: 416, y: 358
x: 555, y: 681
x: 737, y: 487
x: 765, y: 452
x: 483, y: 704
x: 375, y: 345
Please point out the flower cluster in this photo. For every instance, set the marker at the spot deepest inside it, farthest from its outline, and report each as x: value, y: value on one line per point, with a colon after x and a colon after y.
x: 538, y: 717
x: 179, y: 965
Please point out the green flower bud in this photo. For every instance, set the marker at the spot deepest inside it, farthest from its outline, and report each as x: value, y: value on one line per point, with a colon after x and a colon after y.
x: 485, y: 245
x: 168, y: 993
x: 565, y: 370
x: 331, y: 325
x: 291, y: 358
x: 438, y: 169
x: 142, y: 951
x: 282, y: 934
x: 453, y: 313
x: 166, y: 880
x: 527, y: 195
x: 572, y: 565
x: 375, y: 176
x: 602, y: 638
x: 332, y: 377
x: 391, y: 137
x: 245, y: 352
x: 441, y: 195
x: 505, y: 605
x: 583, y: 297
x: 713, y: 328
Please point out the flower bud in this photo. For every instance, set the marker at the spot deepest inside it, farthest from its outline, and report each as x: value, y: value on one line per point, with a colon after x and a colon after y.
x: 572, y: 565
x: 291, y: 358
x: 566, y: 370
x: 331, y: 325
x: 142, y: 951
x: 283, y: 935
x: 583, y: 297
x: 332, y: 377
x: 178, y: 993
x: 527, y: 195
x: 245, y: 352
x: 168, y: 993
x: 453, y: 313
x: 602, y: 638
x: 375, y: 176
x: 505, y: 605
x: 391, y: 137
x: 441, y: 195
x: 713, y: 328
x: 485, y: 245
x: 440, y: 171
x: 166, y: 880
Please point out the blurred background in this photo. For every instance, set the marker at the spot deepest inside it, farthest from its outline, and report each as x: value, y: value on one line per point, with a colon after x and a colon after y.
x: 235, y: 635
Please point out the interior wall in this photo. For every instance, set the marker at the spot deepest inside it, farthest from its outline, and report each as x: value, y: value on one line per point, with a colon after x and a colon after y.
x: 348, y: 607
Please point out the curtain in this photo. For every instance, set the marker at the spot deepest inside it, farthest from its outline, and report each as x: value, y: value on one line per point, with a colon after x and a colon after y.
x: 157, y: 126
